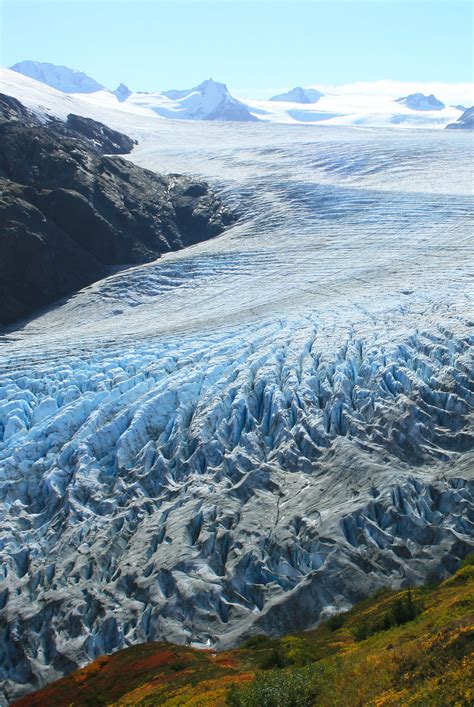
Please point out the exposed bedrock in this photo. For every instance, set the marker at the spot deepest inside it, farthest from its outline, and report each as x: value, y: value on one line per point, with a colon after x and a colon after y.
x: 200, y: 490
x: 68, y: 213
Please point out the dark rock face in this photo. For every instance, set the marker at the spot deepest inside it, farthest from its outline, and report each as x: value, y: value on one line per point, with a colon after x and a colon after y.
x: 68, y: 212
x: 109, y: 141
x: 465, y: 121
x: 12, y: 109
x: 105, y: 139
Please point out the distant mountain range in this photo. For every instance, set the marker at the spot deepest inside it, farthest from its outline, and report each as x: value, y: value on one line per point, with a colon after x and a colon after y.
x: 211, y: 100
x: 208, y: 101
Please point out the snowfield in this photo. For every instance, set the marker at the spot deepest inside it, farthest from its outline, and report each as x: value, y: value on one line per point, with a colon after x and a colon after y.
x: 255, y: 432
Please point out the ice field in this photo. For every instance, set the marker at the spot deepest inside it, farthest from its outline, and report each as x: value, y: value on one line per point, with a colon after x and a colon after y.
x: 255, y: 432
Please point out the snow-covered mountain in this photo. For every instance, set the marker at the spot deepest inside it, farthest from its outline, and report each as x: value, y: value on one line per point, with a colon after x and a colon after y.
x: 299, y: 95
x: 210, y: 100
x: 465, y: 121
x: 418, y: 101
x: 60, y: 77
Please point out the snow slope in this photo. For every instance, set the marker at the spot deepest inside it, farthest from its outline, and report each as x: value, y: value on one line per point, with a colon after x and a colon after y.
x: 257, y: 431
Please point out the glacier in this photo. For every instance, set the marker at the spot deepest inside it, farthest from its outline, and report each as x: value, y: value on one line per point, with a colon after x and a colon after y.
x: 258, y: 431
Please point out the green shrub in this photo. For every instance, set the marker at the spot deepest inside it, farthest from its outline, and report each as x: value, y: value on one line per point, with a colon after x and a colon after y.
x: 256, y: 641
x: 335, y: 622
x: 274, y: 659
x: 278, y: 688
x: 296, y: 651
x: 361, y: 632
x: 468, y: 560
x: 179, y: 665
x: 402, y: 610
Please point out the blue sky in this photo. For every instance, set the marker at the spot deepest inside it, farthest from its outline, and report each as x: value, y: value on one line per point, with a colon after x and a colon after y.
x: 254, y: 46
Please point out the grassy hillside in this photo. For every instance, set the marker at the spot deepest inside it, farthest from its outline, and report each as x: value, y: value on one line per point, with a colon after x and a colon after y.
x: 414, y: 647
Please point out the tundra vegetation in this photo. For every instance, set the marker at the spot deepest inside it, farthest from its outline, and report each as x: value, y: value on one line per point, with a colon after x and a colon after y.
x: 410, y: 647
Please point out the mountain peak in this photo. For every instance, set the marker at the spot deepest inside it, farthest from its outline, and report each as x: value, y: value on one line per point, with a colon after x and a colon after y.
x: 299, y: 95
x: 418, y: 101
x: 122, y: 92
x: 211, y: 84
x: 210, y: 100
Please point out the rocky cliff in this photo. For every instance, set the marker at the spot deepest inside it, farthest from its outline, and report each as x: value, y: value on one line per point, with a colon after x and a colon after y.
x: 68, y: 212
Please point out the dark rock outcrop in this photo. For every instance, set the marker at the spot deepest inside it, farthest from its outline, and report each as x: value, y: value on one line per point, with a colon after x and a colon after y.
x: 105, y: 139
x: 11, y: 109
x: 465, y: 121
x: 109, y: 141
x: 68, y: 212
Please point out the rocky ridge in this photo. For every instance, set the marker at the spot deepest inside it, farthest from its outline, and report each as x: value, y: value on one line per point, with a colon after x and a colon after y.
x: 69, y: 210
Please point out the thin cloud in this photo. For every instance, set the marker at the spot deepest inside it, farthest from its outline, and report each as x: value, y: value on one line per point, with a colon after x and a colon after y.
x: 447, y: 92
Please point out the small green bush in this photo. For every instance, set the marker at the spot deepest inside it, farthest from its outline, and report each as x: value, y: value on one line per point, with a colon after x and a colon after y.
x: 468, y: 560
x: 335, y: 622
x: 278, y: 688
x: 274, y: 659
x: 179, y: 665
x: 255, y: 641
x: 403, y: 610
